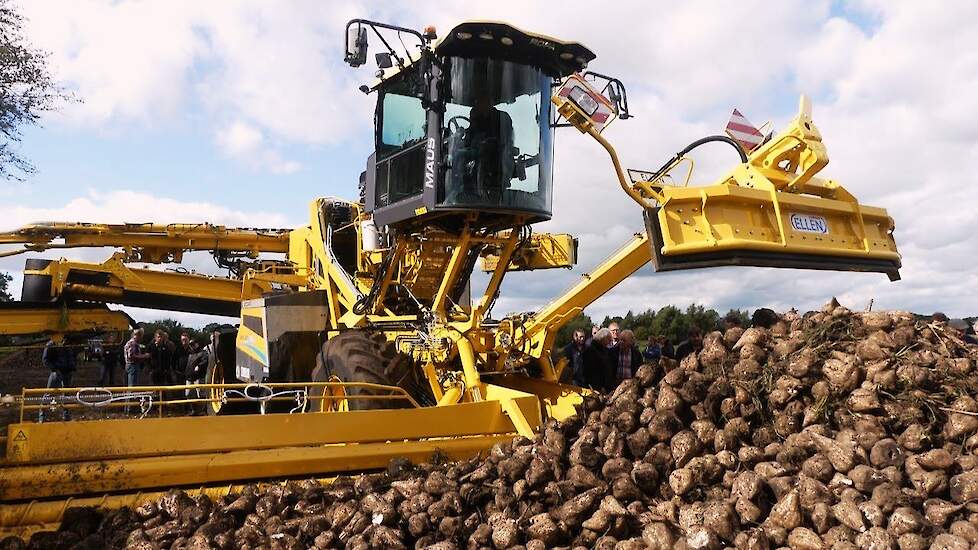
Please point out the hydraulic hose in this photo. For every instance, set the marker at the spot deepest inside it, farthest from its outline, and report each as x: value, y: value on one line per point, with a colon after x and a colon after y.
x: 694, y: 145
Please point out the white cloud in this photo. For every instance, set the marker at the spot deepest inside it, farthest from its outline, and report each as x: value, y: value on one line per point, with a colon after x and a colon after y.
x: 896, y: 113
x: 282, y: 68
x: 127, y: 206
x: 247, y: 144
x: 239, y: 139
x: 829, y: 56
x: 898, y: 126
x: 127, y: 60
x: 156, y: 63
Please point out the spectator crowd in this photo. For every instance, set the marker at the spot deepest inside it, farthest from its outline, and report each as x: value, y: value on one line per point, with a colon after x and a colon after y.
x: 166, y: 362
x: 161, y: 362
x: 598, y: 361
x: 609, y: 355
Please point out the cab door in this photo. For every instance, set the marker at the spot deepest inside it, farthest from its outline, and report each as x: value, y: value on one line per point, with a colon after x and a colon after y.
x: 400, y: 148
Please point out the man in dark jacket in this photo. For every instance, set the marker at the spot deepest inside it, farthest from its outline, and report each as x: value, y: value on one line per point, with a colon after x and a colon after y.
x: 693, y: 344
x: 110, y: 355
x: 653, y: 351
x: 615, y: 331
x: 161, y: 351
x: 49, y: 358
x: 191, y: 366
x: 61, y: 361
x: 599, y: 369
x: 185, y: 347
x: 574, y: 353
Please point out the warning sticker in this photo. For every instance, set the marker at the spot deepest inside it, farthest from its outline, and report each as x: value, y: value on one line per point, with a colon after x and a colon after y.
x: 21, y: 436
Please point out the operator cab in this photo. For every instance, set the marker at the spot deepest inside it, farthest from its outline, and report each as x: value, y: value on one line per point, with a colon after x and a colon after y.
x: 464, y: 128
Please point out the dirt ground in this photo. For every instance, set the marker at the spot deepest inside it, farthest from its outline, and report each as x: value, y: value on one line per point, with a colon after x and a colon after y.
x: 22, y: 369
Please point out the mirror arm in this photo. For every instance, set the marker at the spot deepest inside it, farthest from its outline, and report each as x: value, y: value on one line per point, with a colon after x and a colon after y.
x: 374, y: 26
x: 397, y: 58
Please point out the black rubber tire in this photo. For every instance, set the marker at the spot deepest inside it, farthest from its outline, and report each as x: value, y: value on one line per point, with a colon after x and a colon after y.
x: 221, y: 370
x: 217, y: 373
x: 359, y: 356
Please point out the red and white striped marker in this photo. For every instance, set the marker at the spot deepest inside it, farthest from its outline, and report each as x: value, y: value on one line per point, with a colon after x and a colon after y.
x: 743, y: 132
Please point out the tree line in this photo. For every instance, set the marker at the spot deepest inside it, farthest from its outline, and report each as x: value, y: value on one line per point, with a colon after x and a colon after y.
x: 670, y: 321
x: 5, y: 280
x: 175, y: 328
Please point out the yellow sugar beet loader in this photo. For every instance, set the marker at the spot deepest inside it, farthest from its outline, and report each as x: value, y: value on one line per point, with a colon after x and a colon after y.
x: 372, y: 344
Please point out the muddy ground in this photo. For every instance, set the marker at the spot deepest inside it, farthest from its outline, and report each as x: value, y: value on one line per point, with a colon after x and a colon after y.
x: 22, y: 369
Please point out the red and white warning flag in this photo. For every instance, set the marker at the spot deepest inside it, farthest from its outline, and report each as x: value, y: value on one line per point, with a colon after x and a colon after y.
x: 743, y: 132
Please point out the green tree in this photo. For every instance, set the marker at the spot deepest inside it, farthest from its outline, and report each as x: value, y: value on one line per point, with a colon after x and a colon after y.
x: 707, y: 320
x: 741, y: 314
x: 566, y: 332
x: 674, y: 323
x: 174, y: 329
x: 5, y: 280
x: 27, y: 90
x: 669, y: 322
x: 628, y: 321
x: 211, y: 327
x: 641, y: 324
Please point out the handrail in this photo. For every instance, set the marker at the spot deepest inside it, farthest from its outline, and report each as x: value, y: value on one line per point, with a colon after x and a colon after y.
x: 146, y: 398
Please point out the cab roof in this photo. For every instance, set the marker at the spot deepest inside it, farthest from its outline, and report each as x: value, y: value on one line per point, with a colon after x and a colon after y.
x: 503, y: 41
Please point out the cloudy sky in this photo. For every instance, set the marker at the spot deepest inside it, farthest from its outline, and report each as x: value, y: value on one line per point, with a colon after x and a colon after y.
x: 242, y: 112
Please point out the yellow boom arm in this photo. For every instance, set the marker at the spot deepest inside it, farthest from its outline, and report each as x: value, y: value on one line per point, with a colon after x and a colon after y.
x: 144, y: 242
x: 115, y: 282
x: 769, y: 211
x: 60, y: 319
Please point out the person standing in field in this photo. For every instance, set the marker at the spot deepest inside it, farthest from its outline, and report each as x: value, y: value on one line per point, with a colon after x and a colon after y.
x: 599, y: 369
x: 134, y: 357
x: 574, y: 353
x: 628, y: 357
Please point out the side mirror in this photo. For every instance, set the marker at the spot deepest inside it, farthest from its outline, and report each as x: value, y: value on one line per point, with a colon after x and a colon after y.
x: 384, y: 60
x: 356, y: 46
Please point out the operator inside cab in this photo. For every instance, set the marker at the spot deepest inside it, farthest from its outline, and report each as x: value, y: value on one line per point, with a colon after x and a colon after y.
x: 464, y: 132
x: 484, y: 150
x: 498, y: 138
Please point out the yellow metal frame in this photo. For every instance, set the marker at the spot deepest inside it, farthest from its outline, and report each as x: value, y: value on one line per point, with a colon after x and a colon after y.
x: 160, y: 398
x: 84, y: 457
x: 542, y: 251
x: 537, y: 336
x: 749, y: 208
x: 477, y: 372
x: 740, y: 217
x: 146, y: 242
x: 121, y: 278
x: 58, y: 320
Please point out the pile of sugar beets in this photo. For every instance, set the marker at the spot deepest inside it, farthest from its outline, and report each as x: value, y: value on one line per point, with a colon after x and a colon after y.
x: 831, y: 429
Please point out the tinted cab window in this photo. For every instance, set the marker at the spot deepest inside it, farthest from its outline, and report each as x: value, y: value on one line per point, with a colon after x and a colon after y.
x: 400, y: 144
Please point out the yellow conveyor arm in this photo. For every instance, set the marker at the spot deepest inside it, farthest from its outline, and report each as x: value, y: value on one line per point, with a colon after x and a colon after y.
x: 145, y: 242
